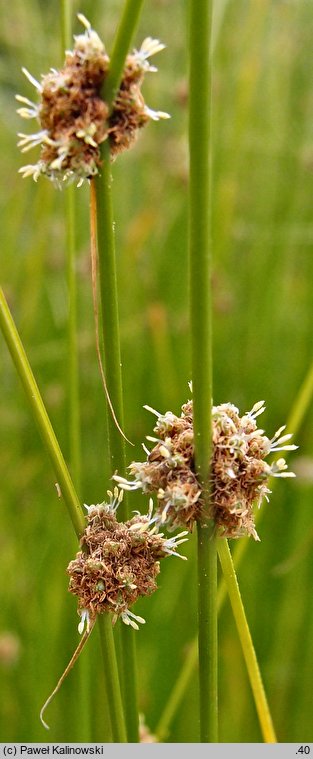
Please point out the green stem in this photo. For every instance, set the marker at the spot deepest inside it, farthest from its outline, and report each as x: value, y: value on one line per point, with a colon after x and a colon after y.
x: 200, y: 21
x: 178, y: 692
x: 109, y: 309
x: 70, y: 222
x: 110, y: 325
x: 254, y: 673
x: 73, y: 372
x: 66, y: 24
x: 111, y: 678
x: 37, y: 406
x: 123, y: 38
x: 207, y: 634
x: 74, y: 419
x: 113, y: 375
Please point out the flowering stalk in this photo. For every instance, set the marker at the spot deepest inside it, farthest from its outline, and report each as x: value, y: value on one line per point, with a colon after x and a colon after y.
x: 70, y: 223
x: 200, y: 22
x: 110, y: 322
x: 74, y: 419
x: 119, y: 734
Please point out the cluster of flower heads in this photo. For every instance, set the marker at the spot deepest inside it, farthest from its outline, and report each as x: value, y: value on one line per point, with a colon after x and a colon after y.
x: 118, y: 563
x: 239, y: 472
x: 74, y: 119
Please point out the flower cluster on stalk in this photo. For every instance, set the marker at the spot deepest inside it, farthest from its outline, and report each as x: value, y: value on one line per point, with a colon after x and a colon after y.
x: 118, y: 562
x: 73, y: 116
x: 239, y: 473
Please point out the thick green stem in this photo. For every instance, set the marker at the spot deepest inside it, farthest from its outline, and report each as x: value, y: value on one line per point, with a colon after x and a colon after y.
x: 112, y: 679
x: 254, y: 673
x: 37, y: 406
x: 200, y: 23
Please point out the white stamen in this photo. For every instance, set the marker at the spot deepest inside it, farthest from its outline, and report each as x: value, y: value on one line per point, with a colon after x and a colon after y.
x: 33, y: 170
x: 153, y: 411
x: 28, y: 141
x: 85, y: 620
x: 278, y: 433
x: 22, y: 99
x: 131, y: 619
x: 27, y: 113
x: 32, y: 79
x: 126, y: 484
x: 84, y: 21
x: 257, y: 409
x: 156, y: 116
x: 150, y: 47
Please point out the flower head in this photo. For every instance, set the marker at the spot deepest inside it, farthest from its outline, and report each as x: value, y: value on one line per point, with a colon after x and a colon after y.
x: 118, y: 563
x: 74, y: 118
x: 239, y: 472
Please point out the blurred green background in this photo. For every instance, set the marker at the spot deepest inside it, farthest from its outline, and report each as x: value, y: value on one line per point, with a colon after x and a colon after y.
x: 263, y: 294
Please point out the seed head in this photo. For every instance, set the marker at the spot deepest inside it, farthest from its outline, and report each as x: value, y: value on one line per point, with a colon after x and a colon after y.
x: 74, y: 118
x: 239, y: 472
x: 118, y: 563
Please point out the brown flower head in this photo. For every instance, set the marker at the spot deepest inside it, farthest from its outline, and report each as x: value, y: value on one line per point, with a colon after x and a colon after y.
x: 239, y: 472
x: 118, y: 563
x: 75, y: 120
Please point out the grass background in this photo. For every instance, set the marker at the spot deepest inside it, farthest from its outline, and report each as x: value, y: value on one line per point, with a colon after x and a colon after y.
x: 262, y: 284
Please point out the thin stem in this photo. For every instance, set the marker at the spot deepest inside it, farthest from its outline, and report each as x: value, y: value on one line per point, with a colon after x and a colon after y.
x: 70, y: 223
x: 73, y: 372
x: 66, y: 24
x: 113, y: 375
x: 178, y: 692
x: 111, y: 678
x: 200, y: 229
x: 301, y: 404
x: 254, y: 673
x: 101, y: 186
x: 37, y: 406
x: 124, y: 35
x: 64, y: 675
x: 110, y: 325
x: 207, y: 634
x: 200, y: 22
x: 72, y: 376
